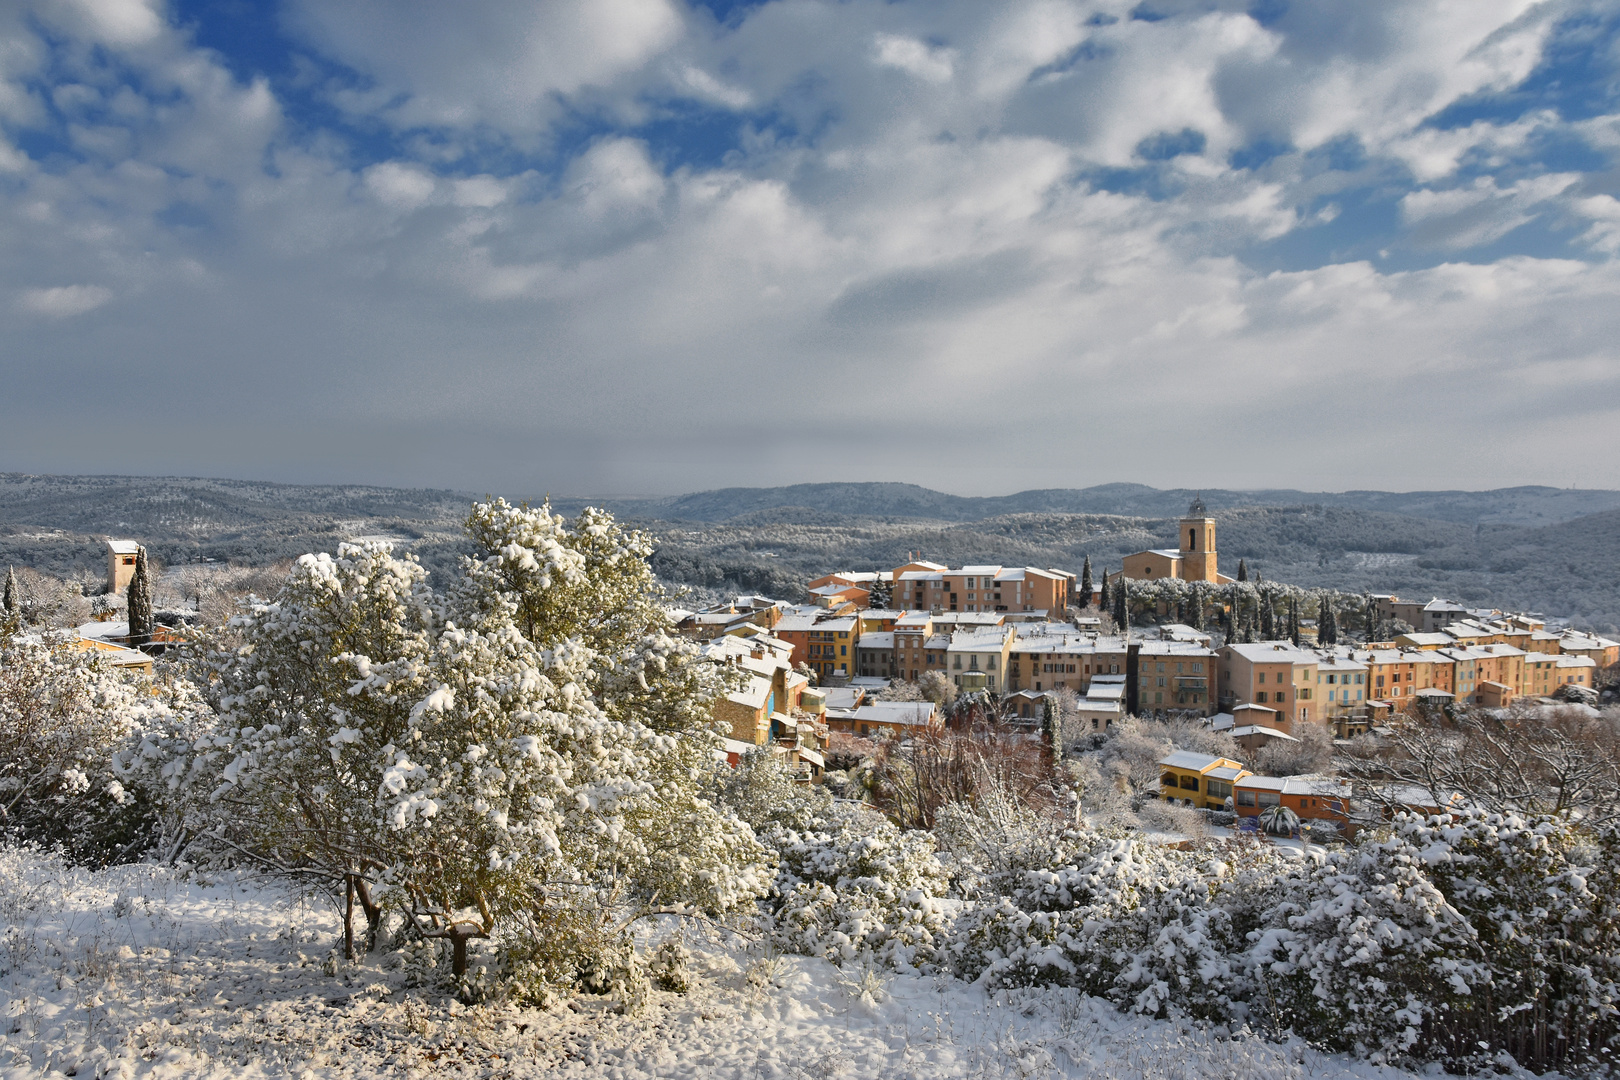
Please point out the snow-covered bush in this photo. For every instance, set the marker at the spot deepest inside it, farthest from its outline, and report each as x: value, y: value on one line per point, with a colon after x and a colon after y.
x: 849, y: 884
x: 1155, y: 930
x: 1363, y: 953
x: 64, y: 714
x: 1542, y: 896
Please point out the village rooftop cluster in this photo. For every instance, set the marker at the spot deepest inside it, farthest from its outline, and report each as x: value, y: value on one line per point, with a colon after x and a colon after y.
x: 1023, y: 638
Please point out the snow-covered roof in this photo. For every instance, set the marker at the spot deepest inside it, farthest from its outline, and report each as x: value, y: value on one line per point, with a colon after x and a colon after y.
x: 1248, y: 730
x: 123, y: 547
x: 1188, y: 759
x: 904, y: 713
x: 877, y: 639
x: 1324, y: 786
x: 1273, y: 652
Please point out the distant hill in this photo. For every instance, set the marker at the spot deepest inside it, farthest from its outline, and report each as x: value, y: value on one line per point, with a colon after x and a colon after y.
x: 1507, y: 506
x: 1543, y: 549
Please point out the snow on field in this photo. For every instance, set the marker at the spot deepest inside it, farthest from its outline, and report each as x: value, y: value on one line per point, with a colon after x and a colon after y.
x: 139, y: 971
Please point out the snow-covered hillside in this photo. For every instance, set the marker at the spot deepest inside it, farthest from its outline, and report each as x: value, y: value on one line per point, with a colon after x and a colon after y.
x: 139, y: 971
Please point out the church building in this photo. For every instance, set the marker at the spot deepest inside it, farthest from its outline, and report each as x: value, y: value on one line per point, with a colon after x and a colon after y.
x: 1195, y: 560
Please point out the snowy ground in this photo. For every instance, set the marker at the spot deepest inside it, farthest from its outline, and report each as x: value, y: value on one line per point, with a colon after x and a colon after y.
x: 138, y: 972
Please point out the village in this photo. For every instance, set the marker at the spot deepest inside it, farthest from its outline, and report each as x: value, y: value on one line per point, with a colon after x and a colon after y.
x: 1031, y: 650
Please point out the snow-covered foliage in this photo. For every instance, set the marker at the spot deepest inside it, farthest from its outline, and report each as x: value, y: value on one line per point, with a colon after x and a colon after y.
x: 849, y: 884
x: 1157, y: 931
x: 520, y: 761
x: 64, y: 713
x: 139, y: 972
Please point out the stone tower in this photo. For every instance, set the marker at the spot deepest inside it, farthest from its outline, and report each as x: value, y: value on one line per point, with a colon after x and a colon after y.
x: 1198, y: 559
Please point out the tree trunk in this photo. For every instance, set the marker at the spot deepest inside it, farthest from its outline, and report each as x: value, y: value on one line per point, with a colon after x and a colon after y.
x: 373, y: 910
x: 348, y: 918
x: 458, y: 954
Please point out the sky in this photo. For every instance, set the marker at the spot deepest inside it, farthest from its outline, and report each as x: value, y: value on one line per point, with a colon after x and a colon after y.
x: 656, y: 246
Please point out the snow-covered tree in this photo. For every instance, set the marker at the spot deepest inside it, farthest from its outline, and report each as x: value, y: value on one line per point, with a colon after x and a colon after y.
x: 1105, y: 602
x: 1243, y: 570
x: 524, y: 756
x: 1085, y: 583
x: 11, y: 598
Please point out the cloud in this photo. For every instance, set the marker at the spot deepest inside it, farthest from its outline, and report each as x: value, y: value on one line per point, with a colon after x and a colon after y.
x: 622, y: 246
x: 500, y: 65
x: 65, y: 301
x: 935, y: 65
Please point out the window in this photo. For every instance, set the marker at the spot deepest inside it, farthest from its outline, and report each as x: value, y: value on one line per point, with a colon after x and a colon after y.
x: 1190, y: 783
x: 958, y: 664
x: 1261, y: 679
x: 1260, y: 698
x: 1245, y: 798
x: 1160, y: 669
x: 1267, y: 798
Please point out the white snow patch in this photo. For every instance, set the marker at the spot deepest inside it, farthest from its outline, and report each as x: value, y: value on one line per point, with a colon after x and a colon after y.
x: 141, y: 971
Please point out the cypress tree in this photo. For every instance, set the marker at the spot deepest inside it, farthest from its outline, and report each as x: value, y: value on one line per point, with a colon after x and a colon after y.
x: 1327, y: 620
x: 1268, y: 619
x: 11, y: 599
x: 1370, y: 615
x: 1122, y: 608
x: 140, y: 601
x: 1051, y: 728
x: 1243, y: 570
x: 1293, y: 620
x: 1085, y: 583
x: 1104, y: 602
x: 1198, y: 619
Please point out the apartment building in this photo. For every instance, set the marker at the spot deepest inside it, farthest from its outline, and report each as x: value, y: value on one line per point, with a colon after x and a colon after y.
x: 1175, y: 675
x: 1277, y: 674
x: 977, y: 659
x: 931, y: 587
x: 825, y: 640
x: 1054, y: 657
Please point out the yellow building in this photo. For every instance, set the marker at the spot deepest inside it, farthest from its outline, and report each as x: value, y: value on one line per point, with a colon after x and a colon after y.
x: 1199, y: 779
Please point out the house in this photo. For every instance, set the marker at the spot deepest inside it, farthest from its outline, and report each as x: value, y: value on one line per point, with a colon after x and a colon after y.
x: 118, y: 656
x: 886, y: 719
x: 1175, y: 674
x: 121, y: 555
x: 1313, y: 798
x: 763, y: 707
x: 874, y: 654
x: 1198, y: 779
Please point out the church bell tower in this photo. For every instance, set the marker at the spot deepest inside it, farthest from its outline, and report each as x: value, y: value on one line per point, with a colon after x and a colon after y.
x: 1198, y: 559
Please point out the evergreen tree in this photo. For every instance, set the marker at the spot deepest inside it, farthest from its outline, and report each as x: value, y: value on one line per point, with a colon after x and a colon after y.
x: 1327, y: 620
x: 140, y: 601
x: 1268, y: 618
x: 1122, y: 607
x: 1243, y: 570
x: 880, y: 594
x: 1293, y: 620
x: 1051, y: 726
x: 11, y: 599
x: 1085, y: 583
x: 1199, y: 620
x: 1105, y: 602
x: 1369, y: 612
